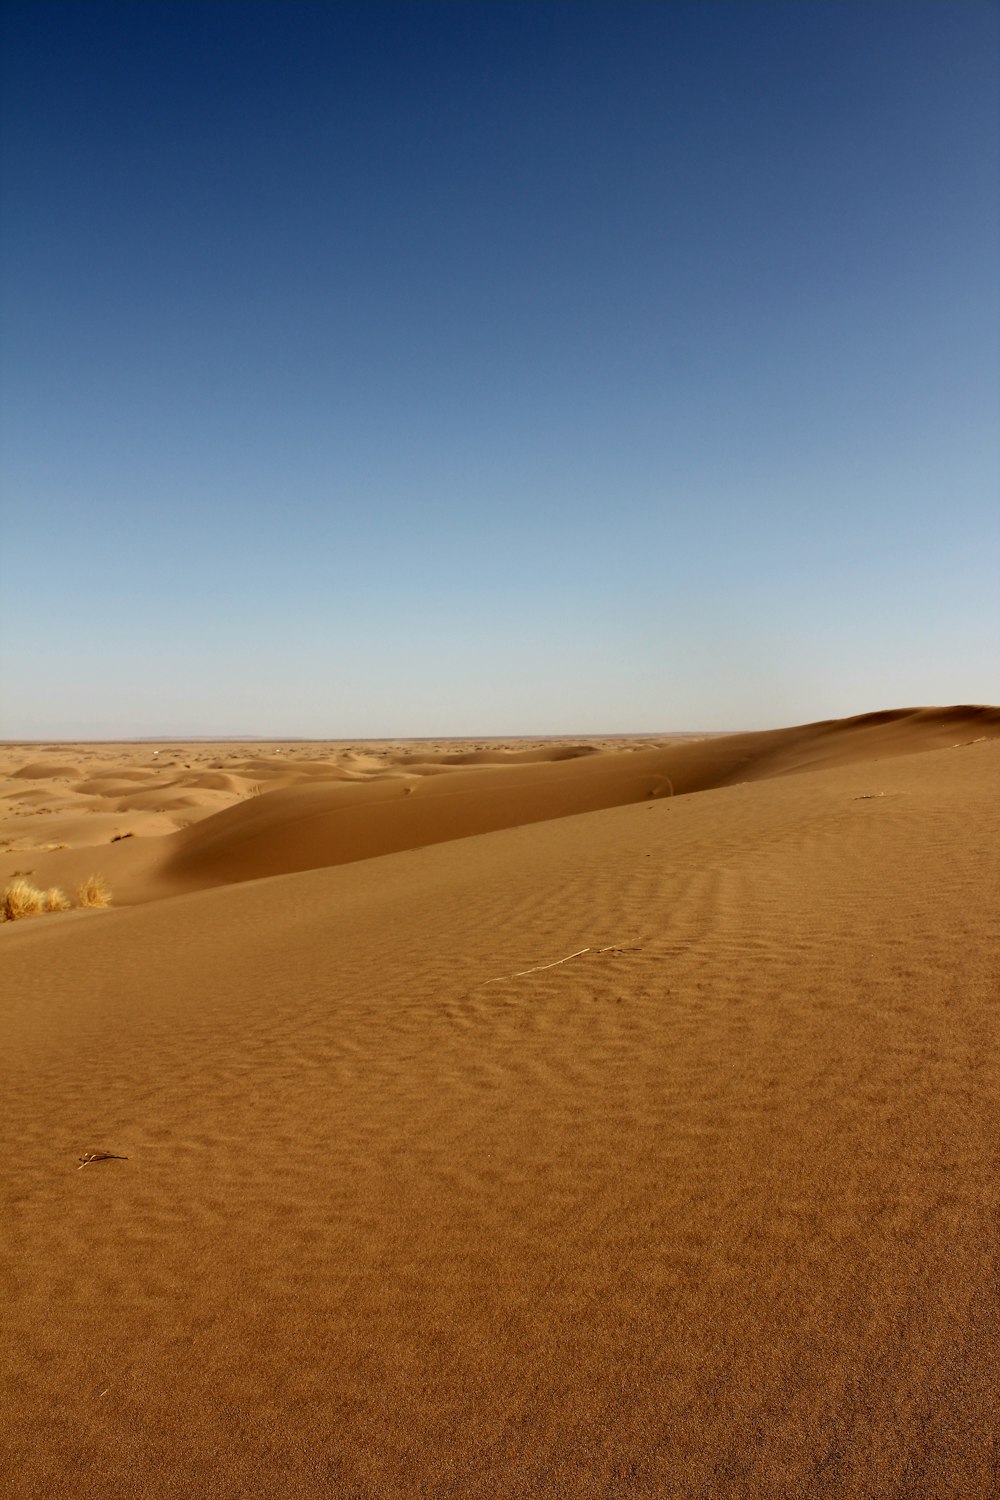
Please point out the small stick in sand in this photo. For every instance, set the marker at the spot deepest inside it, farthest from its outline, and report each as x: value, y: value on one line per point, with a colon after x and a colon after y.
x: 90, y: 1156
x: 537, y: 969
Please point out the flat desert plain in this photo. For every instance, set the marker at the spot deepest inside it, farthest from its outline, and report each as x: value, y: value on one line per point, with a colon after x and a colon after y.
x: 495, y: 1120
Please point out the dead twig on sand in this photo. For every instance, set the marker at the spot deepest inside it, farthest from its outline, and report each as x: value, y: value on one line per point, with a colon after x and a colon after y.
x: 537, y: 969
x: 91, y: 1156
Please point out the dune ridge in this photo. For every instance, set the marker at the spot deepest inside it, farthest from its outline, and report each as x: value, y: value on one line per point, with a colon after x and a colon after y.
x: 213, y: 821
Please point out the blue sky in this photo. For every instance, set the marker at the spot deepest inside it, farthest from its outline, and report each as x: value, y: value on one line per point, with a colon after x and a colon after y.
x: 497, y: 368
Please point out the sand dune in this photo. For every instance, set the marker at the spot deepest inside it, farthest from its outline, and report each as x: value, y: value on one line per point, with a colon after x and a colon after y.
x: 36, y: 797
x: 484, y: 757
x: 216, y: 781
x: 134, y: 793
x: 413, y: 1209
x: 310, y: 811
x: 41, y: 770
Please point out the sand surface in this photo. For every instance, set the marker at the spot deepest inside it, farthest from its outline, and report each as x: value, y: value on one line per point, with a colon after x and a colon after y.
x: 411, y: 1209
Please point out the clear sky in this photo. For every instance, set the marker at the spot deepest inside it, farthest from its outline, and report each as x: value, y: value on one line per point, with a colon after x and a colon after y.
x: 497, y: 368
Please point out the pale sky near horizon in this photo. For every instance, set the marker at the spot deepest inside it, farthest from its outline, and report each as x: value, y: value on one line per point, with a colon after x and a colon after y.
x: 541, y: 366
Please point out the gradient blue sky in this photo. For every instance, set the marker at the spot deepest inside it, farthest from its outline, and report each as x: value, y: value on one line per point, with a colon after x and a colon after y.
x: 497, y: 368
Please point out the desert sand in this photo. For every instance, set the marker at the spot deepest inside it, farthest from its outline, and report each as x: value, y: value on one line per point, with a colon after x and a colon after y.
x: 502, y: 1119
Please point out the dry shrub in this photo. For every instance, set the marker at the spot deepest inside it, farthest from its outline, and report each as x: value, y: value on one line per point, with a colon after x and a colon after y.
x: 94, y: 892
x: 20, y: 899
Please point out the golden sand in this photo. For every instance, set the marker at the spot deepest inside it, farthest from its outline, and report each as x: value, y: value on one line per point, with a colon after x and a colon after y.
x: 411, y: 1207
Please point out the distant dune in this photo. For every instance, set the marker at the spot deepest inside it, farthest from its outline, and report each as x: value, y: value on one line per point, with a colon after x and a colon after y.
x: 238, y: 817
x: 584, y: 1118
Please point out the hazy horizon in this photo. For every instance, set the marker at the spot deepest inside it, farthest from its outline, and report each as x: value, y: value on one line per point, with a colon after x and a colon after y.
x: 449, y: 370
x: 282, y: 738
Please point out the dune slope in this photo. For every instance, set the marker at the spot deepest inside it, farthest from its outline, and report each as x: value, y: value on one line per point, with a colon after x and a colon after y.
x: 306, y: 827
x: 707, y: 1210
x: 201, y: 816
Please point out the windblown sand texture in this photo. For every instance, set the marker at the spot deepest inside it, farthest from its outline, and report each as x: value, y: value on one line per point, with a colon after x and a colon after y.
x: 400, y: 1206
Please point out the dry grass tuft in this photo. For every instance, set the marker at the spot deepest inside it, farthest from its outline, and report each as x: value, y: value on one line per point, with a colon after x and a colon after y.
x: 20, y: 899
x: 94, y: 892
